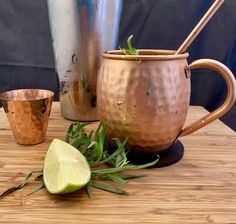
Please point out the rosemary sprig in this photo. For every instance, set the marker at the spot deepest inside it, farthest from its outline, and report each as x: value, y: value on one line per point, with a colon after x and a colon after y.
x: 129, y: 50
x: 105, y: 166
x: 21, y: 185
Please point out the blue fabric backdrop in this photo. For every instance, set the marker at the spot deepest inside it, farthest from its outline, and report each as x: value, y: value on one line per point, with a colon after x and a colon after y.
x: 165, y: 24
x: 26, y: 56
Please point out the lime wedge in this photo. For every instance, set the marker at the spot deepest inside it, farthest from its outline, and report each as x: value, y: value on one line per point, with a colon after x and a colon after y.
x: 65, y: 168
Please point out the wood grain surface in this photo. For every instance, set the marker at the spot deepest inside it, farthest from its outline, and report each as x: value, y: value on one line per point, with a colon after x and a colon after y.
x: 201, y: 188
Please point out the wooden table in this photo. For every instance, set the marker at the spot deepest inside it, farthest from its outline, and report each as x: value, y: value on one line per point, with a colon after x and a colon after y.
x: 201, y: 188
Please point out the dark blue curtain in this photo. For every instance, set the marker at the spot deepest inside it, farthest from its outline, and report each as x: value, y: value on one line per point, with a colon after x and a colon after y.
x: 26, y: 56
x: 164, y: 24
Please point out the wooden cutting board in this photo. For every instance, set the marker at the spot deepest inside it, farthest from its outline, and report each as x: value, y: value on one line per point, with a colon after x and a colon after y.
x: 201, y: 188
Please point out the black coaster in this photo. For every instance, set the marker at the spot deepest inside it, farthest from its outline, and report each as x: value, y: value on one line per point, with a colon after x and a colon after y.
x: 167, y: 157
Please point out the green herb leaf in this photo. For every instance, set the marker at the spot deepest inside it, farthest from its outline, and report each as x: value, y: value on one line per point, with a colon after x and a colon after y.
x: 126, y: 167
x: 87, y: 143
x: 10, y: 190
x: 130, y: 50
x: 89, y: 189
x: 126, y: 176
x: 39, y: 187
x: 113, y: 177
x: 108, y: 188
x: 109, y: 158
x: 121, y: 159
x: 19, y: 186
x: 39, y: 177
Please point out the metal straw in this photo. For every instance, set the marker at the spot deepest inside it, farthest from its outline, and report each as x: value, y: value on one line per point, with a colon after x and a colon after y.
x: 197, y: 29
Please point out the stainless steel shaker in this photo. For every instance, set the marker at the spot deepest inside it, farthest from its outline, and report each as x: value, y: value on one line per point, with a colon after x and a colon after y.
x: 81, y: 30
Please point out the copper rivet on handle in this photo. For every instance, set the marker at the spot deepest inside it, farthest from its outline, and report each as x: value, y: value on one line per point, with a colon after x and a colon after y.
x: 187, y: 72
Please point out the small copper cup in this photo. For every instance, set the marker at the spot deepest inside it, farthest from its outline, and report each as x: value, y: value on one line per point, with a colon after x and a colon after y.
x: 28, y: 111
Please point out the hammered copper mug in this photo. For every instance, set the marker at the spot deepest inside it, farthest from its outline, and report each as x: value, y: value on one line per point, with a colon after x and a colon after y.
x: 146, y: 97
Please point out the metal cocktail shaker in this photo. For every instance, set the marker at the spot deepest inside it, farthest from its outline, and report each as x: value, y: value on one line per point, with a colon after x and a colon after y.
x: 81, y: 30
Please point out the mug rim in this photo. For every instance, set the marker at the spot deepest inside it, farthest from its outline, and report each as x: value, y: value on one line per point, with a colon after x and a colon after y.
x: 5, y: 97
x: 145, y: 55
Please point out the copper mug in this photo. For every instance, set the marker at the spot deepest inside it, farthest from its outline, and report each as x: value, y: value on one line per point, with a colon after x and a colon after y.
x: 146, y: 97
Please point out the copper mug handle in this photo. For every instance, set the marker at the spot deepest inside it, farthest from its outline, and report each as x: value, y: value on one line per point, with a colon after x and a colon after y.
x: 230, y: 99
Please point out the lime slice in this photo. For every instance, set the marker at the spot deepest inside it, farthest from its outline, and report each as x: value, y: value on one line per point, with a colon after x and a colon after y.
x: 65, y: 168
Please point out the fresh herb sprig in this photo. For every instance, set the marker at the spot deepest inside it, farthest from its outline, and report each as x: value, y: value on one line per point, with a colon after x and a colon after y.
x: 129, y: 50
x: 98, y: 157
x: 39, y: 177
x: 105, y: 166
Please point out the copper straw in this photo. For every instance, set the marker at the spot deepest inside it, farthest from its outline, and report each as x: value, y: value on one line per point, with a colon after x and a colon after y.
x: 197, y: 29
